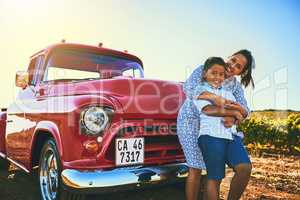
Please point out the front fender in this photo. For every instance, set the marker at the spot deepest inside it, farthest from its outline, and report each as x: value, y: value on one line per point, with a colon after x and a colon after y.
x: 51, y: 128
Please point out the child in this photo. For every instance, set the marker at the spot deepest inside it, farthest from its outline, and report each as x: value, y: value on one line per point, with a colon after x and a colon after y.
x: 220, y: 145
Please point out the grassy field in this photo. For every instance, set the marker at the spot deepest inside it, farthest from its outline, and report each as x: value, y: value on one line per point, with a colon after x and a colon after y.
x: 273, y: 114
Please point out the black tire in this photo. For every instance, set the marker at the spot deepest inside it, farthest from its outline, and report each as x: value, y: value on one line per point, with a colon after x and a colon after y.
x: 49, y: 174
x: 4, y: 164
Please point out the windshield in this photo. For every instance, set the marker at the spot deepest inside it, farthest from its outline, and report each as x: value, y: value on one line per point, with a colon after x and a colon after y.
x: 78, y: 65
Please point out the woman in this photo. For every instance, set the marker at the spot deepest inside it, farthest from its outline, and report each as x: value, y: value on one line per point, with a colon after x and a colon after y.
x: 240, y: 64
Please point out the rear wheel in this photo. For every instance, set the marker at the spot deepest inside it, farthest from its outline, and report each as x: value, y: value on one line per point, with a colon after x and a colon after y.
x: 50, y: 175
x: 4, y: 164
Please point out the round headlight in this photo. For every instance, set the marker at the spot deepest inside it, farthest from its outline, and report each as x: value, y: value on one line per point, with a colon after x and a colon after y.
x: 94, y: 120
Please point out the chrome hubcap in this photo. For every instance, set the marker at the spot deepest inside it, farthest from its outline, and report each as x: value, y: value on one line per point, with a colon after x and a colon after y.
x: 49, y: 176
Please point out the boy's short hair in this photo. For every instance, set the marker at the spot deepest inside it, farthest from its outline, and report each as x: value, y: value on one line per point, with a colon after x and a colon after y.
x: 212, y: 61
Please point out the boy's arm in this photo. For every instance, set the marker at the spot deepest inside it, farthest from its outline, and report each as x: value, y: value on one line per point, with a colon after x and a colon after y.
x: 202, y: 92
x: 221, y: 102
x: 217, y: 111
x: 215, y: 99
x: 238, y: 93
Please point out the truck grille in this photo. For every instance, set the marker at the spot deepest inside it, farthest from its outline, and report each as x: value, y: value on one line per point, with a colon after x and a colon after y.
x: 169, y: 129
x: 161, y: 142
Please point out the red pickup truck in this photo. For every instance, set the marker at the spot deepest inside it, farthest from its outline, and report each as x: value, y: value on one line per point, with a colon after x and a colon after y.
x: 90, y: 122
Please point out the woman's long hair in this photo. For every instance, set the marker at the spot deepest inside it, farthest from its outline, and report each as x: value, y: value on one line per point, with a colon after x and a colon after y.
x: 246, y: 75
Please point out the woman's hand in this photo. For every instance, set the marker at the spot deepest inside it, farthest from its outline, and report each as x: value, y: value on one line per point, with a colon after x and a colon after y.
x: 236, y: 106
x: 238, y: 116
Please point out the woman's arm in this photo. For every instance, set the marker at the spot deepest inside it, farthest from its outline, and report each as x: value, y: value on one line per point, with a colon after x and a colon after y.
x: 191, y: 83
x: 238, y: 93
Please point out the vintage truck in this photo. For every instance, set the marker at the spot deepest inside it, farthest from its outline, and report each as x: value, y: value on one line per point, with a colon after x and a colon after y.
x: 87, y: 121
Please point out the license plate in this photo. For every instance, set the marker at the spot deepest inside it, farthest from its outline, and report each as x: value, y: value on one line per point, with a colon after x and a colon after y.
x: 129, y: 151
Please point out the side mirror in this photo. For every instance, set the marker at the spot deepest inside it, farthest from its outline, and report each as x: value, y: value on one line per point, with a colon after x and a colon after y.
x: 22, y: 79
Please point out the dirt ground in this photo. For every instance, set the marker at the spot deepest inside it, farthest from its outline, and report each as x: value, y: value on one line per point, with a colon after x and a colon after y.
x: 273, y: 177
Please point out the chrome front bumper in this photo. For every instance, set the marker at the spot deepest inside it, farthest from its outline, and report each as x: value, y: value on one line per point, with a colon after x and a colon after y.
x: 123, y: 178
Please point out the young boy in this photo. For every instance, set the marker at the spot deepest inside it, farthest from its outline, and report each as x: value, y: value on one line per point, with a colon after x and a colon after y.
x: 219, y: 145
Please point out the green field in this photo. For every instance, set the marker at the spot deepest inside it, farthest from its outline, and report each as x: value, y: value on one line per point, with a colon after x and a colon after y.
x: 272, y: 131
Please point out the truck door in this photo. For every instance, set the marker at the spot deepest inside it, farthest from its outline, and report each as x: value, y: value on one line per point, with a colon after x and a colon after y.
x: 19, y: 128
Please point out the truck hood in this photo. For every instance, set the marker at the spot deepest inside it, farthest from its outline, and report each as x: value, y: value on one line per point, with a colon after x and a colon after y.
x: 136, y: 96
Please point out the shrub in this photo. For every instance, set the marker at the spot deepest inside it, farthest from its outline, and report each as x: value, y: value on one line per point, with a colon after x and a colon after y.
x: 270, y: 134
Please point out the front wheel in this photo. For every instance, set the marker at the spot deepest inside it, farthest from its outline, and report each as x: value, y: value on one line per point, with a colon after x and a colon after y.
x: 50, y: 175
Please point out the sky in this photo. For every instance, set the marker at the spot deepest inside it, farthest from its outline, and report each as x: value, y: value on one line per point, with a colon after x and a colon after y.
x: 171, y: 37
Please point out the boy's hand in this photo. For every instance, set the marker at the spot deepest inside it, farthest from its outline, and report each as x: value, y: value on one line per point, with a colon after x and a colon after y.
x: 228, y: 121
x: 238, y: 116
